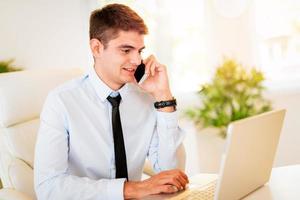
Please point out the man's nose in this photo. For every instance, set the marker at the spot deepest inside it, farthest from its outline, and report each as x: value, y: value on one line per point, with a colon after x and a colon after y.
x: 136, y: 59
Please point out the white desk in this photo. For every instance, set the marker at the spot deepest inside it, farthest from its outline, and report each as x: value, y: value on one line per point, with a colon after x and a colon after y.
x: 284, y: 184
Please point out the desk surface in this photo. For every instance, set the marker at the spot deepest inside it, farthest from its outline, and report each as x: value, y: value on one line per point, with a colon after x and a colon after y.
x: 284, y: 184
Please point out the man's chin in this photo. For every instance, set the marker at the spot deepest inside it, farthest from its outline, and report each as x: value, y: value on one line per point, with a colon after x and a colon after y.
x: 130, y: 80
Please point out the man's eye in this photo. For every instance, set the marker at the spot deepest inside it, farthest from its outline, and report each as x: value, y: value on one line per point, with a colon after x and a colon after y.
x: 126, y: 50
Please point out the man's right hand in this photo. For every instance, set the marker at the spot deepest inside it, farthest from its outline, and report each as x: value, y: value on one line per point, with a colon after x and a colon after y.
x: 167, y: 182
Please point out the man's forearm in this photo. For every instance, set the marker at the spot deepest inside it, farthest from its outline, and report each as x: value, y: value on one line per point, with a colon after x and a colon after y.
x: 78, y: 188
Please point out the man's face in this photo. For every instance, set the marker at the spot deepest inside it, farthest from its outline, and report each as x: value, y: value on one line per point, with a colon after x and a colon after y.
x: 119, y: 60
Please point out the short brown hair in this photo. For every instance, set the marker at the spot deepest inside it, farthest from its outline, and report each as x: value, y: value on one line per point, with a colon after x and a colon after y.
x: 105, y: 23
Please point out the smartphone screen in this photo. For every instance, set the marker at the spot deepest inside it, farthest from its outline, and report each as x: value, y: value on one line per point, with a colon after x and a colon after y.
x: 139, y: 72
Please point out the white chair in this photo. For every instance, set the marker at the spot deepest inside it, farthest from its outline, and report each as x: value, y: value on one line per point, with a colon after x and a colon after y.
x: 22, y: 95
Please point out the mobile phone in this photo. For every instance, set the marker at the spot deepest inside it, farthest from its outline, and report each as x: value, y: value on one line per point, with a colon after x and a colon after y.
x: 139, y: 72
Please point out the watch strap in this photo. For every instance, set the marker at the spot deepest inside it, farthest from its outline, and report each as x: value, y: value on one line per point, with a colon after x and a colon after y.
x: 162, y: 104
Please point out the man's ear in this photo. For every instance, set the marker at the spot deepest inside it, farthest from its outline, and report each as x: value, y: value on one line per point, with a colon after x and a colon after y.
x: 96, y: 47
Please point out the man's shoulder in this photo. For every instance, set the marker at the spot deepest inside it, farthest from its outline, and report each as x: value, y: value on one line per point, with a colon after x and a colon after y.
x: 68, y: 87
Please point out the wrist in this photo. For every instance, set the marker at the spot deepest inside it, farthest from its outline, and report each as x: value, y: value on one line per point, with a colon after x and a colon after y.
x: 132, y: 190
x: 163, y: 95
x: 167, y: 109
x: 166, y: 106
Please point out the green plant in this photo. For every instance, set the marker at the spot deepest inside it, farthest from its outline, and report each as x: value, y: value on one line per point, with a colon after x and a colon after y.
x: 7, y: 66
x: 233, y: 94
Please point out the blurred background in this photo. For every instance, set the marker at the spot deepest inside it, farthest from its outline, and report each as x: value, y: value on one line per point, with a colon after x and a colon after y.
x: 191, y: 37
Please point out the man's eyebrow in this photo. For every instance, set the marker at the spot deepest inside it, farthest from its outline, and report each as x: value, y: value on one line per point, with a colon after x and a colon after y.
x: 130, y: 47
x: 142, y: 48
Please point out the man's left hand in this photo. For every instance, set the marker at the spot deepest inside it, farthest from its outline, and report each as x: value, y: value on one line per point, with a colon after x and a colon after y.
x: 157, y: 82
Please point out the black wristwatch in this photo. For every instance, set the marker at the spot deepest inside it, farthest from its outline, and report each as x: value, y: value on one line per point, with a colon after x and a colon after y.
x: 162, y: 104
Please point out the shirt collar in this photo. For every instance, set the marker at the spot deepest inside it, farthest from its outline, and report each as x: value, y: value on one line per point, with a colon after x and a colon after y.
x: 103, y: 90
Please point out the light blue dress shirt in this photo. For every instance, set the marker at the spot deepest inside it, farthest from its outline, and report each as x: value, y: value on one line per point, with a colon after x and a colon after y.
x: 74, y: 156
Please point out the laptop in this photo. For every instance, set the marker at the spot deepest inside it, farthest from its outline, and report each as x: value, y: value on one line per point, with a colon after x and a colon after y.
x: 246, y: 162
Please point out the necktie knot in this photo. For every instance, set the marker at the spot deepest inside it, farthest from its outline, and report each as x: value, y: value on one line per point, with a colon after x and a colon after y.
x: 114, y: 101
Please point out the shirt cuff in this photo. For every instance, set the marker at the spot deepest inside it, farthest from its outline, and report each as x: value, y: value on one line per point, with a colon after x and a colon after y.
x: 115, y: 188
x: 168, y: 119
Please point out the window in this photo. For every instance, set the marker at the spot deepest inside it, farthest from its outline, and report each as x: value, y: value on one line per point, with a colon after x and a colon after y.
x: 278, y: 31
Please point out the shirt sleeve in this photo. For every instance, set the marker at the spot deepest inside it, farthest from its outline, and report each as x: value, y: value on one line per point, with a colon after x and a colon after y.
x: 51, y: 178
x: 165, y: 142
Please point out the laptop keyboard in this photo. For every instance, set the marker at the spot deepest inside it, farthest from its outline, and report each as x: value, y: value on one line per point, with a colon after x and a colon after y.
x: 205, y: 192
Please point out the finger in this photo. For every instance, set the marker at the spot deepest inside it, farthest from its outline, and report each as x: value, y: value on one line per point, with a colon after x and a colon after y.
x: 177, y: 171
x: 181, y: 174
x: 148, y: 66
x: 168, y: 189
x: 148, y: 62
x: 171, y: 180
x: 182, y: 181
x: 179, y: 180
x: 152, y: 64
x: 184, y: 176
x: 153, y: 67
x: 160, y: 67
x: 160, y: 186
x: 145, y: 61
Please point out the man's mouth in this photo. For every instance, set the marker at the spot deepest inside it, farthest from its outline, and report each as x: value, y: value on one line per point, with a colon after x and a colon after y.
x: 131, y: 70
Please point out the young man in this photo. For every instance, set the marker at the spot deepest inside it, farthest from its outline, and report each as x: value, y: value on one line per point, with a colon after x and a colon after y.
x: 96, y: 131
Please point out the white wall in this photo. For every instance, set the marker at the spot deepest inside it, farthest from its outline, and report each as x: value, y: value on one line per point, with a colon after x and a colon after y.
x: 44, y: 33
x: 288, y: 151
x: 231, y: 31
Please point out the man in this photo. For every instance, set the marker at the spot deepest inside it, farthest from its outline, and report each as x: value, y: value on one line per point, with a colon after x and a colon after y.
x: 89, y: 146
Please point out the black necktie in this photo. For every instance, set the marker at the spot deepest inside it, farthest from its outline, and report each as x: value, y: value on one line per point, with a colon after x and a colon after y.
x: 120, y: 154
